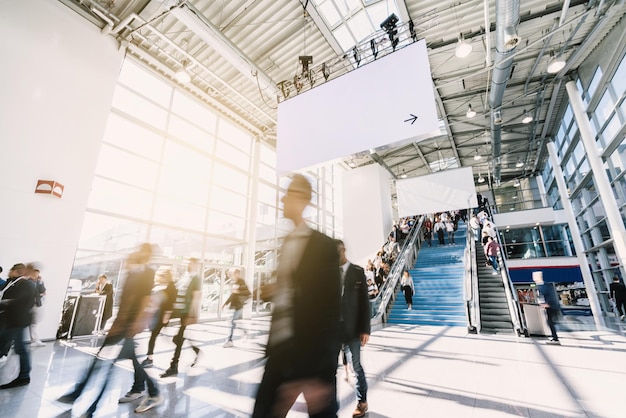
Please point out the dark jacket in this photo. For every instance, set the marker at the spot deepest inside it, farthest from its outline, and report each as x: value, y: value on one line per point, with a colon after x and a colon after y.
x: 239, y: 295
x: 355, y: 305
x: 313, y: 349
x: 17, y: 303
x: 137, y: 286
x: 617, y: 291
x: 107, y: 291
x: 548, y: 292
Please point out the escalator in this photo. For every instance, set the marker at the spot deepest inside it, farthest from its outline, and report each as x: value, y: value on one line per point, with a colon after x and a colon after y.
x: 495, y: 316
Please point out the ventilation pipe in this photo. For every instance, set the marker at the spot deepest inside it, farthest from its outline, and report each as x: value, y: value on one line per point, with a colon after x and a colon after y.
x: 507, y: 19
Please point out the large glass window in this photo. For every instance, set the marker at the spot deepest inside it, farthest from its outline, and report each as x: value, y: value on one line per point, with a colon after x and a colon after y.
x: 175, y: 173
x: 538, y: 241
x: 619, y: 79
x: 125, y: 134
x: 595, y: 82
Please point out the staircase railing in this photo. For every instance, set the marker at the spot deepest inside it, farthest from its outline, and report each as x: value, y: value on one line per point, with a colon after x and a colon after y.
x: 405, y: 259
x: 470, y: 288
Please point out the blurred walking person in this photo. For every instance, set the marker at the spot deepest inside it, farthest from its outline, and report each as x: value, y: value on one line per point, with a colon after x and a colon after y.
x: 131, y: 319
x: 16, y: 301
x: 187, y: 307
x: 303, y: 344
x: 238, y: 297
x: 354, y: 325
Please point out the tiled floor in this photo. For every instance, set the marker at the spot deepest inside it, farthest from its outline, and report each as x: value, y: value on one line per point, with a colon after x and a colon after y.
x: 413, y: 371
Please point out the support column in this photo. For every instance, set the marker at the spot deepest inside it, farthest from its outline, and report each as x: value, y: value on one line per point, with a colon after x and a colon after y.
x: 600, y: 178
x: 57, y: 82
x: 576, y: 237
x: 251, y: 224
x: 542, y: 191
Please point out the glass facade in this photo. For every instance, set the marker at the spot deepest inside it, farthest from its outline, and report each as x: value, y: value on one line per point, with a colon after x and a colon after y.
x: 173, y: 172
x: 604, y: 98
x: 537, y: 241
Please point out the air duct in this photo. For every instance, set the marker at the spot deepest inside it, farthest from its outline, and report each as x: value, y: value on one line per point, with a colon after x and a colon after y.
x: 507, y: 19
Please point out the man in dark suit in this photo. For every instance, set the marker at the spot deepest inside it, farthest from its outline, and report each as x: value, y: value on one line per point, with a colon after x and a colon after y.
x: 354, y: 326
x: 303, y: 343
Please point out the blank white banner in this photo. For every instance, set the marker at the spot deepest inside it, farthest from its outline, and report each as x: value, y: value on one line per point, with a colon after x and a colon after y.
x: 446, y: 190
x: 387, y: 101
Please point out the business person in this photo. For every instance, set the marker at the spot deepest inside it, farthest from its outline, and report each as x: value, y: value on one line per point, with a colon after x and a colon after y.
x: 303, y: 343
x: 354, y: 324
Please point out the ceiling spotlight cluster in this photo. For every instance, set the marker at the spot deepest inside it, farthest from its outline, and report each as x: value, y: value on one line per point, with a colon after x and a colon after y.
x: 391, y: 37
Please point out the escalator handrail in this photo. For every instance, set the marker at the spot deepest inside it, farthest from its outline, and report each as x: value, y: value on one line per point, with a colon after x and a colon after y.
x: 406, y: 257
x: 519, y: 321
x: 470, y: 289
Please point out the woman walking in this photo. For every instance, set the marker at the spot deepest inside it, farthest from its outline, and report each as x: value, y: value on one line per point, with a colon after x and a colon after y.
x: 406, y: 284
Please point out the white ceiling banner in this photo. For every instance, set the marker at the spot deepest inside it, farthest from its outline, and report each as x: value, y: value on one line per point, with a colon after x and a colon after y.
x: 442, y: 191
x: 387, y: 101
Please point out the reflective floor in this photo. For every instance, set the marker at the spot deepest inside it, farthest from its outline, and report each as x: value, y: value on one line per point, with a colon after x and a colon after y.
x: 413, y: 371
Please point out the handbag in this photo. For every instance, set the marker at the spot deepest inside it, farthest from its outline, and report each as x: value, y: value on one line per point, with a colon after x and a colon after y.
x: 488, y: 263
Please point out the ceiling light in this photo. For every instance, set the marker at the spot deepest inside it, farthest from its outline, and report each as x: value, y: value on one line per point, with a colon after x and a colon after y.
x: 556, y: 64
x: 351, y: 164
x: 481, y: 179
x: 182, y: 76
x: 519, y: 163
x: 527, y: 117
x: 463, y: 48
x: 477, y: 156
x: 470, y: 112
x: 517, y: 183
x: 403, y: 175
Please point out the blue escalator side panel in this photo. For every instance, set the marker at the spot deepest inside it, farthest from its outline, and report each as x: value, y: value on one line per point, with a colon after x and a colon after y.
x: 438, y: 280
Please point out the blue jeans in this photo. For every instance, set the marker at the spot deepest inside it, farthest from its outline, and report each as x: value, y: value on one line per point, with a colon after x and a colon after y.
x: 494, y: 262
x: 16, y: 335
x: 141, y: 377
x: 353, y: 354
x: 553, y: 315
x: 238, y: 314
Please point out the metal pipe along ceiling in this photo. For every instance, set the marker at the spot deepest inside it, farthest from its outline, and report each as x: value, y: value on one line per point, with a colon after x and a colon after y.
x: 507, y: 19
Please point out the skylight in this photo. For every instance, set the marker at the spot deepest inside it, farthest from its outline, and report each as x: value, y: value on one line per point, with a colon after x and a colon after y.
x: 353, y: 21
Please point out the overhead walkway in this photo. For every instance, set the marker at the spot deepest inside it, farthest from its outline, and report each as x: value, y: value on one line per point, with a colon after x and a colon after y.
x: 437, y: 276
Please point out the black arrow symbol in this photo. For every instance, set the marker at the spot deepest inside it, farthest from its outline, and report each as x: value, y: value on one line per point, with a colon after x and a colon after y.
x: 412, y: 119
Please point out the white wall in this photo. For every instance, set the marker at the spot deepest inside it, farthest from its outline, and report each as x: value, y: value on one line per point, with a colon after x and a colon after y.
x: 57, y: 79
x: 367, y: 211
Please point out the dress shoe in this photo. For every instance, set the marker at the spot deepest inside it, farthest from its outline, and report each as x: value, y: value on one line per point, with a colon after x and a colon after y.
x: 172, y: 371
x: 360, y: 410
x: 20, y: 381
x: 68, y: 398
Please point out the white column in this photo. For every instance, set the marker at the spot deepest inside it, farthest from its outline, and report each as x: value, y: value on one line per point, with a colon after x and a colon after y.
x: 600, y: 178
x: 578, y: 242
x: 542, y: 191
x: 367, y: 211
x: 57, y: 79
x: 251, y: 223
